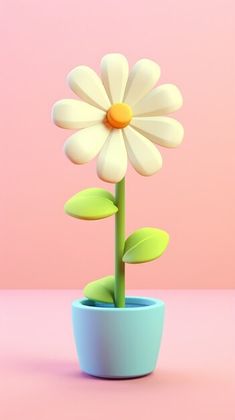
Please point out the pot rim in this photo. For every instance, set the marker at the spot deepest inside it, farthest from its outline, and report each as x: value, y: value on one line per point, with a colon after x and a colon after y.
x: 148, y: 303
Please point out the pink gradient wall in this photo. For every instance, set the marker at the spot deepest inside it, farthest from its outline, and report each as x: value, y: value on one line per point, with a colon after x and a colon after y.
x: 192, y: 197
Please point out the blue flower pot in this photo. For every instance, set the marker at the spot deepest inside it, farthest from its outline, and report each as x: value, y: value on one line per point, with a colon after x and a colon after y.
x: 118, y: 342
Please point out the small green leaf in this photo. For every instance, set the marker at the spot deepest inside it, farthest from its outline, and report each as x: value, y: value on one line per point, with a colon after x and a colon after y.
x: 101, y: 290
x: 97, y: 192
x: 91, y: 204
x: 145, y: 244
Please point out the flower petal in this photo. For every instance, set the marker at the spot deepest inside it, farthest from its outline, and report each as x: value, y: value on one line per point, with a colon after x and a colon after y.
x: 143, y: 155
x: 85, y: 144
x: 70, y: 113
x: 142, y: 79
x: 160, y: 101
x: 165, y: 131
x: 114, y: 74
x: 112, y: 160
x: 86, y: 83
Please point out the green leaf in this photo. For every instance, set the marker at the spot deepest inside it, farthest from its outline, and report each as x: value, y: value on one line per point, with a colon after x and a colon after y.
x: 145, y: 244
x: 91, y: 204
x: 97, y: 192
x: 101, y: 290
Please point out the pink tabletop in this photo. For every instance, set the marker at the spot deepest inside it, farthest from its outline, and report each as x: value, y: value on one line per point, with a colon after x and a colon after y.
x: 41, y: 380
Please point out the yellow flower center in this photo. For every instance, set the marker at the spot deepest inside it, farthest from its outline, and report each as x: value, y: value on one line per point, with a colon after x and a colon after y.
x: 119, y: 115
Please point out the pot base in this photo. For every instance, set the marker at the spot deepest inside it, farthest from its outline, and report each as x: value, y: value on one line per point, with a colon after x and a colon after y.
x: 119, y: 377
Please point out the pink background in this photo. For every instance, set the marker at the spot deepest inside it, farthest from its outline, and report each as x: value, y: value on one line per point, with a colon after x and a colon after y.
x: 192, y: 197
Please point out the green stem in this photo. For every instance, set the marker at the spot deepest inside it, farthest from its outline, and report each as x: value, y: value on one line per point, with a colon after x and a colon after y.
x: 119, y: 291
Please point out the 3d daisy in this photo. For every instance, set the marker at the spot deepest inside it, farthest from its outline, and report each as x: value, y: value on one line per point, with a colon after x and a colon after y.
x: 121, y: 115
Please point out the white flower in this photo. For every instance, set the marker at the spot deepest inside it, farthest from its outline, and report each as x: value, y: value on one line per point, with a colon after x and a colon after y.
x: 122, y: 116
